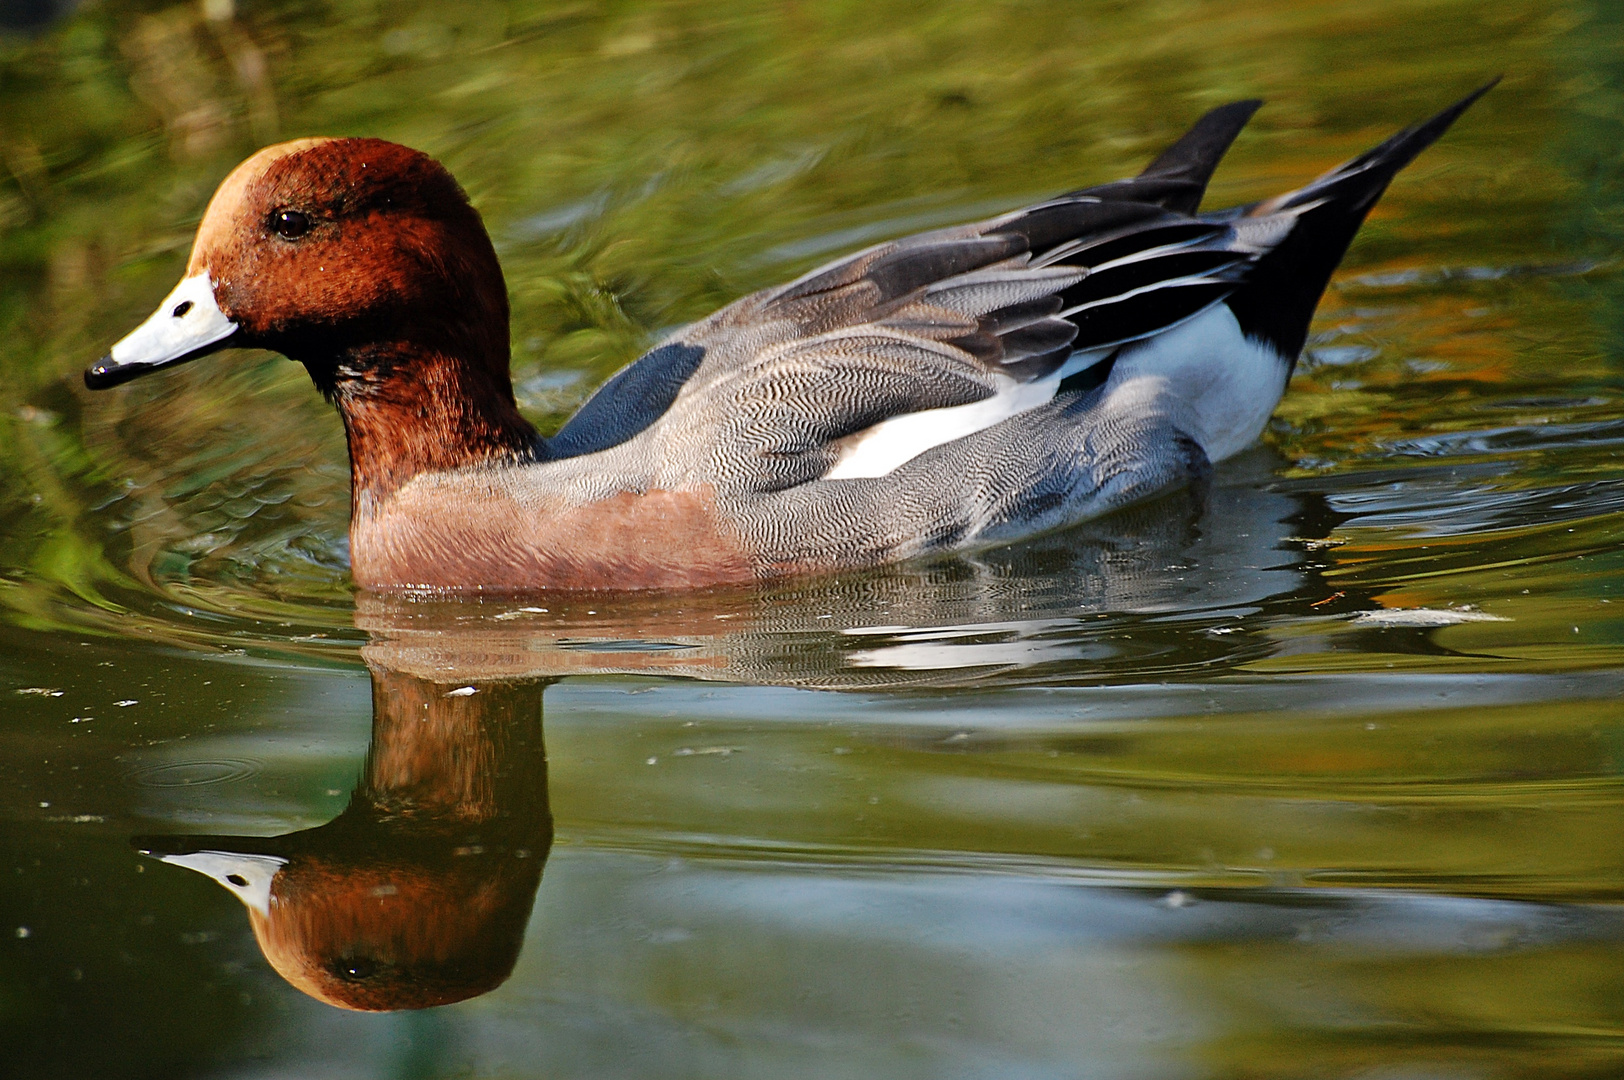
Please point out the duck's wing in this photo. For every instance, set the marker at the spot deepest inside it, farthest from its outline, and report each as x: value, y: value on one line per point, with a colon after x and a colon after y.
x: 1130, y: 238
x: 949, y: 317
x: 869, y: 361
x: 861, y: 365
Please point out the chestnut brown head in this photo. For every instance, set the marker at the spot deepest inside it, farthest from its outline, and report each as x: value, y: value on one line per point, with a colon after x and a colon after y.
x: 375, y: 919
x: 339, y: 253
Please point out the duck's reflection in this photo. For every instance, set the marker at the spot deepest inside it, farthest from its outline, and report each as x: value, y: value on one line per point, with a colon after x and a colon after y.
x: 419, y: 892
x: 1189, y: 582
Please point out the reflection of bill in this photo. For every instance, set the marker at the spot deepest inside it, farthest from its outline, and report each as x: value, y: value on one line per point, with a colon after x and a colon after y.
x: 419, y: 892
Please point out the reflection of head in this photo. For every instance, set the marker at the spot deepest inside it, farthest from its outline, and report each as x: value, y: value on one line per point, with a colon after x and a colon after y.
x: 418, y: 894
x: 398, y: 935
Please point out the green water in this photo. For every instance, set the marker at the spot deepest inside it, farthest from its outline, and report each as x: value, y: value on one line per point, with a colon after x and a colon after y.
x: 1163, y: 796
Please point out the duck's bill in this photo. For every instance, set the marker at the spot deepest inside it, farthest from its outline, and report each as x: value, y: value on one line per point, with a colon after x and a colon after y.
x: 187, y: 325
x: 246, y: 873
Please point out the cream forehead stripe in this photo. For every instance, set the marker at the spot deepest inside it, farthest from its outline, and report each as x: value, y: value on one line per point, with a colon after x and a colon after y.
x: 219, y: 218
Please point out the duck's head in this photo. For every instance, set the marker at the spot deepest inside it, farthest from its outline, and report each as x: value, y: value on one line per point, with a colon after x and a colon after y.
x: 363, y: 260
x: 374, y: 931
x: 334, y: 252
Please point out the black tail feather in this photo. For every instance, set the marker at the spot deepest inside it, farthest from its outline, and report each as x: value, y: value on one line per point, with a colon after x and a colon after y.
x: 1386, y: 160
x: 1178, y: 178
x: 1198, y: 151
x: 1277, y: 302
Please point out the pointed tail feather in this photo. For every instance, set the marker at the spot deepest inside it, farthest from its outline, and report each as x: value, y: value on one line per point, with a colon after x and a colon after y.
x: 1283, y: 288
x: 1178, y: 178
x: 1198, y: 151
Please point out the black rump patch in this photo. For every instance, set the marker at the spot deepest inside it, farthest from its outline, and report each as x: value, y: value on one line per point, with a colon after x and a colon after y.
x: 628, y: 403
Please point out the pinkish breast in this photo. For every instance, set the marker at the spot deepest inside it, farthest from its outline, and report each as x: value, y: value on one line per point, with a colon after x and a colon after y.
x: 472, y: 537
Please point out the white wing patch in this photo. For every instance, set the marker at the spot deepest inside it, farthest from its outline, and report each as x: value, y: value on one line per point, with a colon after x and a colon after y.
x: 1225, y: 384
x: 893, y: 443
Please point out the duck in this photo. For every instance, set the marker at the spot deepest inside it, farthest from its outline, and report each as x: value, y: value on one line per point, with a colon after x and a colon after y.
x: 960, y: 388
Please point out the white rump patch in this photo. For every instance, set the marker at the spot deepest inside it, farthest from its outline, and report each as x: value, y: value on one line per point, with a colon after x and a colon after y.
x: 1226, y: 383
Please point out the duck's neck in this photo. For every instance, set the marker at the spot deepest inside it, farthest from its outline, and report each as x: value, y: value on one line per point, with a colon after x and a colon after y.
x: 452, y: 752
x: 409, y: 410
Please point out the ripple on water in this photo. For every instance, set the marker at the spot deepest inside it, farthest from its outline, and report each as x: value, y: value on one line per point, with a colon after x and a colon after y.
x: 186, y: 774
x: 1514, y: 438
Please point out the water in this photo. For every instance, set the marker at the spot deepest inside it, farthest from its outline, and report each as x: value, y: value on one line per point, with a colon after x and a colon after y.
x: 1314, y: 773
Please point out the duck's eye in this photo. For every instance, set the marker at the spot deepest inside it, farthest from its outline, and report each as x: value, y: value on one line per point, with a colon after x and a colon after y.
x: 290, y: 224
x: 355, y: 968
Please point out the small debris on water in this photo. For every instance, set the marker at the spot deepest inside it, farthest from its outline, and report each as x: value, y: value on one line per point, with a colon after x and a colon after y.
x: 522, y: 612
x: 1317, y: 545
x: 462, y: 691
x: 1422, y: 617
x: 1176, y: 899
x: 43, y: 691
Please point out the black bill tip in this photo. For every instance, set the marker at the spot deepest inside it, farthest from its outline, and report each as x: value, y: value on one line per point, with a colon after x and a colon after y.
x: 106, y: 372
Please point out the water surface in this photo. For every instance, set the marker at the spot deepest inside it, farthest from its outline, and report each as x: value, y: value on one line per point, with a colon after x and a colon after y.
x: 1315, y: 772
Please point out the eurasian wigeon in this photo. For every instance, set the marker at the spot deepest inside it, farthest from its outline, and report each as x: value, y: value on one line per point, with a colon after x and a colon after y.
x: 957, y: 388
